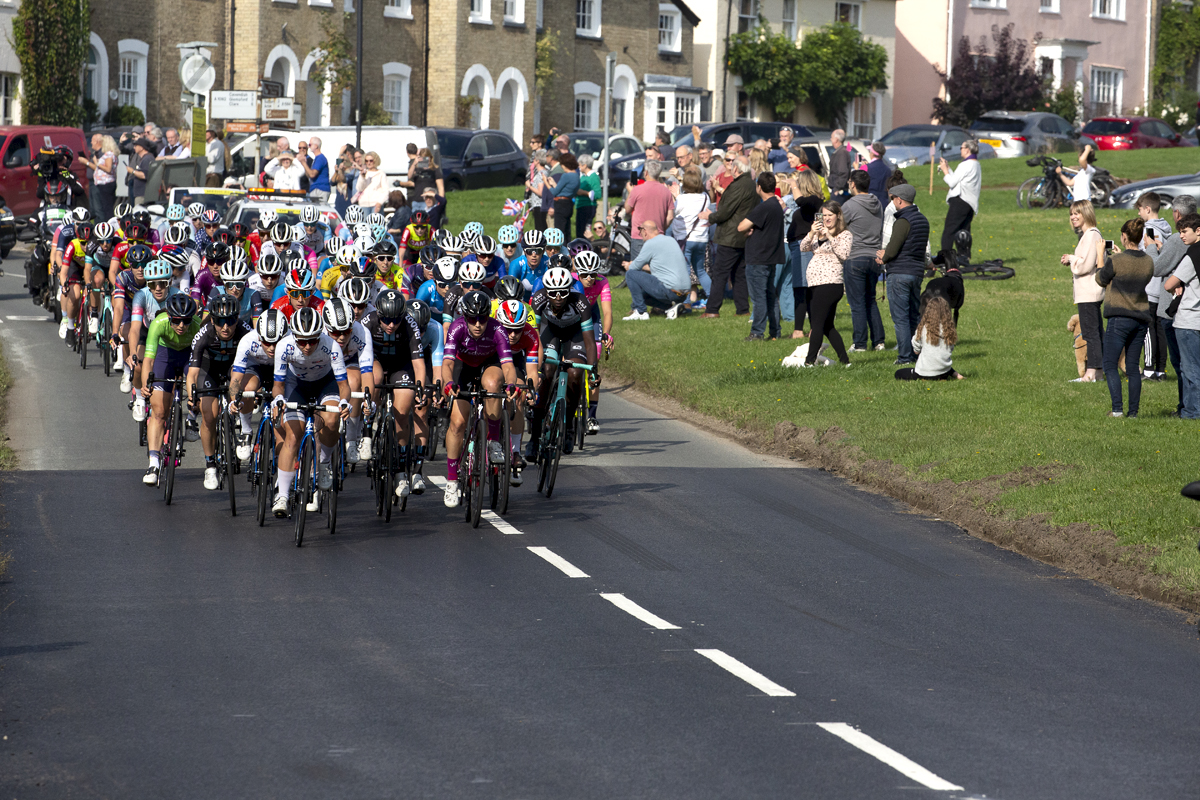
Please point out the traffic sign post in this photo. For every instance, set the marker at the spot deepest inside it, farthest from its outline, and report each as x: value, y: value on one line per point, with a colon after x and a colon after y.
x: 234, y: 105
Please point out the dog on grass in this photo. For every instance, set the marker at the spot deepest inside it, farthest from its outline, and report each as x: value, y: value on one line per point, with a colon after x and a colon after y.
x: 1081, y: 348
x: 949, y: 286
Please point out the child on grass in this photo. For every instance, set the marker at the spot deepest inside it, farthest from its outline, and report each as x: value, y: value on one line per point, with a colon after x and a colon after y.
x: 933, y: 342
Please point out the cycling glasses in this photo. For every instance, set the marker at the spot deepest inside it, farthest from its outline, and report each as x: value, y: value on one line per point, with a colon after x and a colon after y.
x: 390, y: 320
x: 470, y: 286
x: 512, y: 246
x: 309, y: 342
x: 235, y: 284
x: 158, y: 284
x: 298, y: 294
x: 558, y: 294
x: 535, y: 251
x: 382, y: 258
x: 444, y: 284
x: 211, y: 227
x: 224, y: 322
x: 476, y: 320
x: 181, y: 320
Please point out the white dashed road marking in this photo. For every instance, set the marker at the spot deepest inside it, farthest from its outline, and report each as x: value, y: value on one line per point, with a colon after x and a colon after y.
x: 629, y: 607
x: 569, y: 569
x: 889, y: 756
x: 752, y: 677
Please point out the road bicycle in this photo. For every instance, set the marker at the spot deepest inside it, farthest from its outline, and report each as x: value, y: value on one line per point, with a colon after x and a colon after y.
x: 304, y: 484
x: 224, y: 440
x: 261, y: 470
x: 476, y: 464
x: 554, y: 431
x: 385, y: 454
x: 104, y: 326
x: 173, y: 437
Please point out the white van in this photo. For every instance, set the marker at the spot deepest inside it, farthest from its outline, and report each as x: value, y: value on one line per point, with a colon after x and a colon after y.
x: 389, y: 141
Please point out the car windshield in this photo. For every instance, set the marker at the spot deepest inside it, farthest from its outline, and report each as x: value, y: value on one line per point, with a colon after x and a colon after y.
x: 910, y: 138
x: 680, y: 131
x: 1107, y: 127
x: 998, y: 125
x: 587, y: 144
x: 220, y: 202
x: 453, y: 145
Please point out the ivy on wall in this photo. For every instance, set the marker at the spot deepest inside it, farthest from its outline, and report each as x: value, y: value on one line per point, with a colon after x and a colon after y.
x: 51, y: 41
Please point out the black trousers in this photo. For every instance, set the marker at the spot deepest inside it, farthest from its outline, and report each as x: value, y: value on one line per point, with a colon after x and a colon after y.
x: 563, y: 209
x: 729, y: 266
x: 1091, y: 328
x: 1156, y: 344
x: 958, y: 218
x: 539, y: 218
x: 822, y: 308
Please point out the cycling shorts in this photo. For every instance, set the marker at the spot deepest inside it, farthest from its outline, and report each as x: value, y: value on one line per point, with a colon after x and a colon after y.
x: 265, y: 373
x: 558, y: 349
x: 168, y: 365
x: 465, y: 375
x: 323, y: 391
x: 403, y: 376
x: 74, y: 274
x: 207, y: 381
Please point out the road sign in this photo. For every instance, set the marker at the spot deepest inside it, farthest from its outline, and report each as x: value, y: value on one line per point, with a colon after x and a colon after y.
x: 245, y: 127
x: 234, y: 105
x: 271, y: 88
x: 278, y: 109
x: 199, y: 125
x: 198, y: 74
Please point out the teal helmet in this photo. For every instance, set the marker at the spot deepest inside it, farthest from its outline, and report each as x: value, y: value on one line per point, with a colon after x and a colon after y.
x: 554, y: 238
x: 157, y: 270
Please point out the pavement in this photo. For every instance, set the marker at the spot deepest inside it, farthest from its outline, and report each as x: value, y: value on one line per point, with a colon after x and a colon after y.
x: 683, y: 619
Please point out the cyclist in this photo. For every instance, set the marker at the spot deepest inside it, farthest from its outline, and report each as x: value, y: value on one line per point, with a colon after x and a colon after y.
x: 483, y: 250
x: 182, y: 262
x: 562, y: 261
x: 316, y: 232
x: 514, y: 317
x: 476, y: 353
x: 357, y: 292
x: 300, y: 284
x: 210, y: 223
x: 213, y: 351
x: 554, y: 241
x: 359, y: 353
x: 399, y: 359
x: 431, y: 335
x: 507, y: 288
x: 566, y: 334
x: 422, y: 271
x: 453, y: 246
x: 388, y: 274
x: 528, y: 267
x: 262, y: 228
x: 347, y: 256
x: 266, y: 276
x: 99, y: 258
x: 144, y: 309
x: 470, y: 279
x: 283, y: 241
x: 309, y: 368
x: 434, y: 290
x: 241, y: 235
x: 328, y: 256
x: 235, y: 274
x: 74, y: 261
x: 417, y: 233
x: 510, y: 243
x: 256, y: 355
x: 126, y: 283
x: 599, y: 296
x: 215, y: 254
x: 470, y: 232
x: 168, y: 349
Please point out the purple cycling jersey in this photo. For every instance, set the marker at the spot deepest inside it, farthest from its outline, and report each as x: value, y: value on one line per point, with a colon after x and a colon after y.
x: 466, y: 348
x: 202, y: 287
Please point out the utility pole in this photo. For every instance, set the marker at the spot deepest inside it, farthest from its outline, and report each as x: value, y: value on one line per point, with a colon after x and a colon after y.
x: 610, y: 64
x: 358, y: 62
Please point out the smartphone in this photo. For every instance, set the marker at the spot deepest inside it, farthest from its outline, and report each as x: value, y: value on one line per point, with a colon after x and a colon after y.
x: 1108, y: 244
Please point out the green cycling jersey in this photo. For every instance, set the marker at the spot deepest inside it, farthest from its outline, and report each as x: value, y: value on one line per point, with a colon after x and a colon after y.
x: 161, y: 332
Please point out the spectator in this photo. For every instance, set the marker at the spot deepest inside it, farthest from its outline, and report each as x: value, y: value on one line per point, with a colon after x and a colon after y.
x: 864, y: 219
x: 708, y: 164
x: 304, y: 161
x: 805, y: 201
x: 562, y: 144
x: 734, y: 145
x: 427, y: 175
x: 536, y: 142
x: 889, y: 210
x: 566, y: 187
x: 798, y: 161
x: 1084, y: 263
x: 965, y: 182
x: 342, y: 181
x: 103, y: 165
x: 1081, y: 184
x: 539, y: 168
x: 758, y: 163
x: 693, y: 231
x: 663, y: 142
x: 1127, y: 309
x: 649, y: 202
x: 287, y: 172
x: 830, y: 243
x: 658, y: 276
x: 841, y: 161
x: 730, y: 264
x: 317, y: 173
x: 1166, y: 256
x: 373, y: 190
x: 651, y: 154
x: 879, y: 171
x: 1185, y: 284
x: 139, y: 169
x: 585, y: 199
x: 778, y: 156
x: 214, y: 151
x: 597, y: 231
x: 763, y: 226
x: 933, y: 342
x: 1157, y: 230
x: 155, y: 135
x: 904, y: 261
x: 173, y: 148
x: 435, y: 209
x: 400, y: 215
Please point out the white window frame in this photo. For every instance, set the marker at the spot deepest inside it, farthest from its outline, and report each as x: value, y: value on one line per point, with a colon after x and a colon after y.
x: 101, y: 72
x: 671, y: 13
x: 789, y: 22
x: 586, y: 90
x: 996, y: 4
x: 1116, y: 12
x: 398, y: 9
x: 855, y: 12
x: 13, y: 98
x: 1117, y: 87
x: 518, y: 8
x: 853, y: 126
x: 400, y: 75
x: 592, y: 31
x: 321, y: 3
x: 480, y: 12
x: 687, y: 99
x: 751, y: 19
x: 1049, y: 7
x: 139, y: 52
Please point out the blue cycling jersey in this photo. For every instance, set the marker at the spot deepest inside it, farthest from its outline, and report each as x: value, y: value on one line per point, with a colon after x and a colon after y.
x: 432, y: 338
x: 494, y: 271
x: 527, y: 274
x: 428, y: 293
x: 251, y: 303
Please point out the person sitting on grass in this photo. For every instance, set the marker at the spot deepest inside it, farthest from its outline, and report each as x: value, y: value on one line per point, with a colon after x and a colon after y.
x: 933, y: 343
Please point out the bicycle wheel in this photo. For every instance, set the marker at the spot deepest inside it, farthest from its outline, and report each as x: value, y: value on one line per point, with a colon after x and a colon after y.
x: 303, y: 491
x: 81, y: 335
x: 504, y: 470
x: 435, y: 431
x: 560, y: 433
x: 407, y: 466
x: 545, y: 445
x: 581, y: 412
x: 388, y: 478
x: 475, y: 475
x: 174, y: 434
x: 105, y: 344
x: 331, y: 496
x: 989, y: 273
x: 260, y: 471
x: 1024, y: 190
x: 230, y: 456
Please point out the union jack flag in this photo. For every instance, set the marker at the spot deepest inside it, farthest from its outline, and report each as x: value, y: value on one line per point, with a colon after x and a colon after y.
x: 513, y: 208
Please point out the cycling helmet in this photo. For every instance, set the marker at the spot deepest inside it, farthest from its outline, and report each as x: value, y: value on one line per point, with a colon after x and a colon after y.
x: 239, y: 230
x: 446, y: 269
x: 238, y: 254
x: 209, y: 217
x: 80, y: 214
x: 216, y: 253
x: 362, y: 230
x: 266, y: 219
x: 307, y: 323
x: 83, y: 231
x: 236, y: 269
x: 104, y: 232
x: 54, y: 187
x: 293, y: 260
x: 300, y: 280
x: 587, y: 263
x: 378, y: 231
x: 453, y: 244
x: 430, y: 253
x: 473, y: 229
x: 225, y: 305
x: 338, y: 315
x: 557, y: 278
x: 389, y: 304
x: 475, y: 304
x: 508, y: 234
x: 136, y: 232
x: 194, y: 210
x: 577, y: 246
x: 554, y: 238
x: 355, y: 291
x: 281, y: 234
x: 384, y: 247
x: 468, y: 241
x: 122, y: 209
x: 441, y: 235
x: 141, y: 216
x: 361, y: 268
x: 420, y: 312
x: 509, y: 288
x: 225, y: 237
x: 471, y: 272
x: 533, y: 238
x: 181, y: 306
x: 561, y: 260
x: 157, y: 270
x: 332, y: 245
x: 178, y: 233
x: 375, y: 218
x: 512, y: 314
x: 139, y: 256
x: 309, y: 214
x: 353, y: 215
x: 346, y: 255
x: 177, y: 257
x: 484, y: 245
x: 270, y: 264
x: 417, y: 218
x: 298, y: 232
x: 271, y: 326
x: 175, y: 212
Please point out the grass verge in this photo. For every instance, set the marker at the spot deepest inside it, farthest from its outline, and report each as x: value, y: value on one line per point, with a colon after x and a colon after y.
x: 8, y: 458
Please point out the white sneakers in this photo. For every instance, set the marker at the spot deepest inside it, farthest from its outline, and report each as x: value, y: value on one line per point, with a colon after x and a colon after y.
x: 244, y: 447
x: 139, y: 409
x: 280, y: 507
x: 211, y: 482
x: 126, y: 383
x: 62, y: 328
x: 324, y: 476
x: 93, y: 325
x: 402, y: 488
x: 634, y: 317
x: 673, y: 311
x: 364, y: 448
x: 314, y: 504
x: 418, y: 484
x: 352, y: 451
x: 452, y: 498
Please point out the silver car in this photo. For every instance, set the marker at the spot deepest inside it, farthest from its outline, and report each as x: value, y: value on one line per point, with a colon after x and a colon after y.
x: 1016, y: 134
x: 909, y: 145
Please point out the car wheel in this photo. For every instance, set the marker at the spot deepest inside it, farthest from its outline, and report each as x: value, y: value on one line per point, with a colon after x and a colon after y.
x: 454, y: 185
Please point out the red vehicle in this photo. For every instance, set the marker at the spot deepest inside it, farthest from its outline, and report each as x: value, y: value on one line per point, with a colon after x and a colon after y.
x: 1132, y: 133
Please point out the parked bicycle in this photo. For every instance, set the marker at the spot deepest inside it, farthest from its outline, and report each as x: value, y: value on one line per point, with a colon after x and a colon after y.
x: 1048, y: 191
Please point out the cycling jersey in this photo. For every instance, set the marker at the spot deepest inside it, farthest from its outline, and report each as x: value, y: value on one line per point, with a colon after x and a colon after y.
x: 309, y: 255
x: 256, y: 284
x: 203, y: 286
x: 494, y: 271
x: 284, y: 304
x: 98, y: 257
x: 315, y: 241
x: 575, y: 314
x: 160, y: 332
x: 326, y: 359
x: 429, y: 294
x: 249, y: 306
x: 214, y: 355
x: 394, y: 278
x: 125, y: 289
x: 527, y: 346
x: 145, y: 308
x: 527, y: 274
x: 397, y: 350
x: 434, y: 347
x: 359, y: 350
x: 330, y: 280
x: 462, y: 346
x: 598, y: 291
x: 454, y: 296
x: 251, y: 355
x: 413, y: 240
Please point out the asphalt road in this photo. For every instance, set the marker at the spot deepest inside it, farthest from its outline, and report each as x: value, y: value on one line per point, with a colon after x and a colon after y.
x: 684, y: 619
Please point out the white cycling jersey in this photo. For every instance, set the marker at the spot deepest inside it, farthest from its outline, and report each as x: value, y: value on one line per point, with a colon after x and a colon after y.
x: 293, y: 365
x: 360, y: 349
x: 251, y: 353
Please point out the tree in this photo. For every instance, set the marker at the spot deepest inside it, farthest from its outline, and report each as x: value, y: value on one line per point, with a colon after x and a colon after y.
x: 335, y: 65
x: 769, y: 65
x: 51, y: 41
x: 543, y: 63
x: 981, y: 81
x: 838, y: 65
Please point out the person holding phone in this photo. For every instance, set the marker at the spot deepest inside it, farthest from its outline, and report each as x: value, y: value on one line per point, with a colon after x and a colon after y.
x: 1088, y: 295
x: 1127, y: 310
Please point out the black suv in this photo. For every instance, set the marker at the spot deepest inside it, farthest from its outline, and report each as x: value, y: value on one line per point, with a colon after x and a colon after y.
x: 474, y: 159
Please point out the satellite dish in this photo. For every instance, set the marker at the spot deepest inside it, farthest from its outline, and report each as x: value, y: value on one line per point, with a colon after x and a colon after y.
x: 198, y: 74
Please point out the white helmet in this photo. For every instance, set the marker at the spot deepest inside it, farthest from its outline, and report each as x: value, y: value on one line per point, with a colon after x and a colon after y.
x: 266, y: 219
x: 587, y: 263
x: 282, y: 234
x: 179, y: 233
x: 471, y: 272
x: 453, y: 244
x: 354, y: 215
x: 445, y: 269
x: 194, y: 210
x: 307, y: 323
x: 271, y: 326
x: 362, y: 230
x: 338, y: 315
x: 332, y: 245
x: 298, y: 232
x: 355, y: 291
x: 270, y: 264
x: 532, y: 238
x: 557, y: 278
x: 309, y: 214
x: 236, y: 269
x: 375, y: 218
x: 347, y: 255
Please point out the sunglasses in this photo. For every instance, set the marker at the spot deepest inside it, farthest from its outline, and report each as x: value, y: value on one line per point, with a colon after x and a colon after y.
x: 308, y: 342
x: 268, y: 278
x: 181, y: 320
x: 476, y: 320
x: 557, y: 294
x: 534, y: 251
x: 359, y: 306
x: 389, y: 320
x: 298, y: 294
x: 470, y: 285
x: 510, y: 247
x: 225, y: 322
x: 442, y: 284
x: 235, y: 285
x: 383, y: 258
x: 208, y: 227
x: 158, y: 284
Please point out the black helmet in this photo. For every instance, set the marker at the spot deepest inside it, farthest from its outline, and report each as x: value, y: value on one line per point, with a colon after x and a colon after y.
x: 224, y: 305
x: 142, y: 218
x: 362, y: 268
x: 224, y: 236
x: 509, y: 288
x: 181, y: 306
x: 475, y: 304
x: 419, y: 311
x: 139, y: 256
x: 389, y: 303
x: 384, y: 247
x: 216, y: 252
x: 430, y: 253
x: 559, y: 260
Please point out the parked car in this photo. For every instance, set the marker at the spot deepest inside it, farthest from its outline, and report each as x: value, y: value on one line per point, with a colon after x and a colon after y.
x: 1016, y: 134
x: 715, y: 133
x: 1133, y: 133
x: 908, y: 145
x: 1167, y: 189
x: 473, y: 159
x: 619, y: 146
x: 19, y: 144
